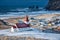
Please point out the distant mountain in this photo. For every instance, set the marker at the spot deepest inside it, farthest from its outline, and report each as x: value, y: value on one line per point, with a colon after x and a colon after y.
x: 53, y: 5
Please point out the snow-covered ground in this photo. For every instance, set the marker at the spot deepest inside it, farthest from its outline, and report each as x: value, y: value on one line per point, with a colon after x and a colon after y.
x: 30, y: 32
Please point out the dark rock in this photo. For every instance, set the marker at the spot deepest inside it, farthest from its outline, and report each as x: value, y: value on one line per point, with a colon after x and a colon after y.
x: 53, y: 5
x: 34, y: 8
x: 2, y: 22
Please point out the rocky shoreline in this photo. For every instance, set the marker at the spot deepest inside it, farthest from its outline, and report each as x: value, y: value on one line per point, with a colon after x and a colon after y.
x: 53, y: 5
x: 5, y: 24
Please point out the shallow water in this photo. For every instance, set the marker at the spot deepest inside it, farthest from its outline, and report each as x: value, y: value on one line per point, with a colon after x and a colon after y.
x: 33, y: 13
x: 31, y: 32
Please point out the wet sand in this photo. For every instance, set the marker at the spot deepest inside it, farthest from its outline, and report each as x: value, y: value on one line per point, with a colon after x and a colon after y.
x: 19, y: 38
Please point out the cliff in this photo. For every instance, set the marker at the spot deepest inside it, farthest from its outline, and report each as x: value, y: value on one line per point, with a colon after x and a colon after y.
x: 53, y: 5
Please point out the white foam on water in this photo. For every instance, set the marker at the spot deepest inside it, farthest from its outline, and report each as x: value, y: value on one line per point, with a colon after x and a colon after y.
x: 33, y: 33
x: 16, y: 14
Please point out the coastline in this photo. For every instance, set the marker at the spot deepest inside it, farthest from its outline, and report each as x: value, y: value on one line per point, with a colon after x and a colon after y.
x: 15, y: 19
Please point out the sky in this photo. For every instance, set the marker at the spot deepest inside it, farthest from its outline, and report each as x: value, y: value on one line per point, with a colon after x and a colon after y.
x: 23, y: 2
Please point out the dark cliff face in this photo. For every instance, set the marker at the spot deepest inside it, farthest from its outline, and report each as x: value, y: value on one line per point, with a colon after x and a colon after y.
x: 53, y: 5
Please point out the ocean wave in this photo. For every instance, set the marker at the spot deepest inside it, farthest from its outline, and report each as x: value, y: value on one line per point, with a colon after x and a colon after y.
x: 25, y: 11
